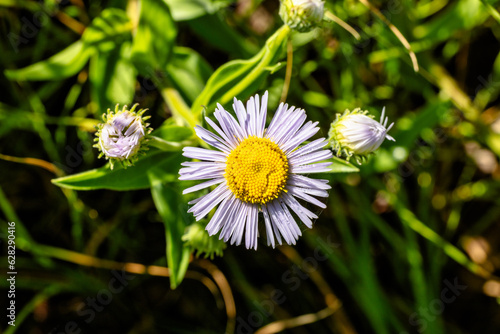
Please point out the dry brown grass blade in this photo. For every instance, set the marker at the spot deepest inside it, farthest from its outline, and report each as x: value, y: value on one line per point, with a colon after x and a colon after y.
x: 331, y: 300
x: 225, y: 290
x: 395, y: 31
x: 70, y: 22
x: 34, y: 162
x: 318, y: 280
x: 280, y: 325
x: 130, y: 267
x: 343, y: 24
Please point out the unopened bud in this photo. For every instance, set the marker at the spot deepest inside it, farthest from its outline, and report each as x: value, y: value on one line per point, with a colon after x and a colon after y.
x: 355, y: 133
x: 122, y: 135
x: 302, y: 15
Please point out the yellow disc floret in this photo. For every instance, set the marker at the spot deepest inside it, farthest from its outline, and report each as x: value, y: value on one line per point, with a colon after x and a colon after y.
x: 256, y: 170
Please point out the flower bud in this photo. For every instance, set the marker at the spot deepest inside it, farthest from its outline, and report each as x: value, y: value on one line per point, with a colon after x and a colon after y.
x: 198, y: 239
x: 122, y: 135
x: 357, y: 134
x: 302, y: 15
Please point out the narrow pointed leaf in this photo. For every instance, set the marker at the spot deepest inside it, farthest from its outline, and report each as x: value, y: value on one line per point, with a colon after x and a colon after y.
x: 62, y: 65
x: 168, y: 201
x: 135, y: 177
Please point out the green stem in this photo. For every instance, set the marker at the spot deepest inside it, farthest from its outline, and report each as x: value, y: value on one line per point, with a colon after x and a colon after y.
x: 178, y: 107
x: 288, y: 73
x: 277, y: 39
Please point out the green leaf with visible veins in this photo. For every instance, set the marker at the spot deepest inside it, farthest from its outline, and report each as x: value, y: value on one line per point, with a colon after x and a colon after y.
x: 64, y: 64
x: 164, y: 164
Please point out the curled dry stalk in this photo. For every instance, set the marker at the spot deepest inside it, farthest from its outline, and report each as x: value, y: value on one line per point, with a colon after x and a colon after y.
x: 141, y: 269
x: 225, y: 289
x: 395, y: 31
x: 34, y: 162
x: 331, y: 300
x: 343, y: 24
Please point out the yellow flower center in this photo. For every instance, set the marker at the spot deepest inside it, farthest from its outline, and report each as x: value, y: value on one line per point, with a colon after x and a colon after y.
x: 256, y: 170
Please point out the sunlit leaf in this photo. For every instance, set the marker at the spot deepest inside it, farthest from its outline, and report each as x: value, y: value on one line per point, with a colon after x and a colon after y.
x: 107, y: 30
x: 241, y: 78
x: 64, y: 64
x: 154, y: 39
x: 165, y: 164
x: 173, y: 133
x: 212, y: 29
x: 183, y: 10
x: 113, y: 78
x: 168, y: 201
x: 341, y: 166
x: 189, y: 72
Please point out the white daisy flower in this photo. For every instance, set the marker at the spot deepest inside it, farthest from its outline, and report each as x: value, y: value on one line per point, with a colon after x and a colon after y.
x: 257, y: 170
x: 358, y: 134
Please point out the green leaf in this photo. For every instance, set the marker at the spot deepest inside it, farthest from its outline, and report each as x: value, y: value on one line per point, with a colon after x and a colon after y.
x: 189, y: 72
x: 183, y: 10
x: 8, y: 3
x: 113, y: 78
x: 174, y: 133
x: 213, y: 29
x: 168, y: 201
x: 241, y: 78
x: 154, y: 39
x: 164, y: 164
x: 107, y: 30
x: 181, y: 113
x: 62, y: 65
x: 341, y: 166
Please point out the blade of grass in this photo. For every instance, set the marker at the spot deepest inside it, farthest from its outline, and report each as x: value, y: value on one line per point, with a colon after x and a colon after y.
x: 453, y: 252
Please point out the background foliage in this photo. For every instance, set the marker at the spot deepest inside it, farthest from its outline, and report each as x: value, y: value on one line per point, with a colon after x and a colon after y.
x: 421, y: 215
